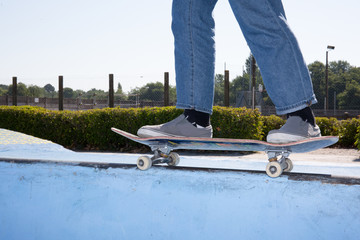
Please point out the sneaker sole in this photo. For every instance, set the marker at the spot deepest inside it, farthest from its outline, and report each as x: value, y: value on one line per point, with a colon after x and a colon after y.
x: 284, y: 138
x: 151, y: 133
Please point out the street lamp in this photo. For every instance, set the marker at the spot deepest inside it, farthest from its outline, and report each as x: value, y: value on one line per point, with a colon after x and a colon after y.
x: 329, y: 48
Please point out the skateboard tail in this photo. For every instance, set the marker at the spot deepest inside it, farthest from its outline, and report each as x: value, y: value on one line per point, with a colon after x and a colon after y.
x: 307, y: 145
x: 130, y: 136
x: 126, y: 134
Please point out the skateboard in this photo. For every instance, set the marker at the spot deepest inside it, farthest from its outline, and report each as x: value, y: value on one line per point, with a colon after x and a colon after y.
x: 278, y: 154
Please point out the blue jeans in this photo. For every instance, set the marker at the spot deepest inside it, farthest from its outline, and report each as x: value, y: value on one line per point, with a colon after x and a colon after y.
x: 273, y: 44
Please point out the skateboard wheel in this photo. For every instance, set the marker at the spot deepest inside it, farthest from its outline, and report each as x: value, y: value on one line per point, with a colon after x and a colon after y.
x: 274, y: 169
x: 144, y: 163
x: 289, y: 165
x: 174, y: 159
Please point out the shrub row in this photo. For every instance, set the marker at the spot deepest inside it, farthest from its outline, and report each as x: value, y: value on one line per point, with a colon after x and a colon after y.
x: 91, y: 129
x: 347, y: 130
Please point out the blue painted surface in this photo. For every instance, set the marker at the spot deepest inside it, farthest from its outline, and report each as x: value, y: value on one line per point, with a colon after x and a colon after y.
x: 50, y: 201
x: 66, y: 201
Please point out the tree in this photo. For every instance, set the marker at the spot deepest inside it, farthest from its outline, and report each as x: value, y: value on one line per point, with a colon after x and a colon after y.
x: 119, y: 89
x: 343, y: 80
x: 49, y: 90
x: 339, y: 67
x: 219, y: 89
x: 248, y: 62
x: 119, y: 95
x: 152, y: 92
x: 69, y: 93
x: 21, y: 90
x: 240, y: 83
x: 243, y: 82
x: 35, y: 91
x: 172, y: 92
x: 317, y: 74
x: 100, y: 94
x: 79, y: 93
x: 3, y: 89
x: 350, y: 98
x: 349, y: 91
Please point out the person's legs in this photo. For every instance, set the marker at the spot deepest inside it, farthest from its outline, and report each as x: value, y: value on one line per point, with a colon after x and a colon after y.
x: 193, y: 29
x: 284, y: 71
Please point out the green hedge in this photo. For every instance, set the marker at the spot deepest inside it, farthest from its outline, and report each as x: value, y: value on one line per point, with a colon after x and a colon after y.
x: 91, y: 129
x: 82, y: 129
x: 236, y: 123
x: 349, y: 133
x: 357, y: 138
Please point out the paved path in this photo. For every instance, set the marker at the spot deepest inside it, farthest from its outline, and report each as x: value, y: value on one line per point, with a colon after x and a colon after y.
x: 8, y: 137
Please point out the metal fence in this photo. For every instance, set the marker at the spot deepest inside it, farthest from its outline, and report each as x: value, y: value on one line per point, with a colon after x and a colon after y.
x: 76, y: 104
x: 249, y: 99
x: 86, y: 104
x: 246, y: 98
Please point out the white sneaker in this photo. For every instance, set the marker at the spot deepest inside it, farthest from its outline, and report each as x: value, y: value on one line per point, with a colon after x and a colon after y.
x: 295, y: 129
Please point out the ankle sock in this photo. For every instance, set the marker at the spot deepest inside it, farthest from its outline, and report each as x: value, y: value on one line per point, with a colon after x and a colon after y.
x: 306, y: 115
x: 198, y: 118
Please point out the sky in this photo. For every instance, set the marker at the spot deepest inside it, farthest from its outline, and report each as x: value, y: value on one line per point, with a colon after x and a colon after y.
x: 86, y: 40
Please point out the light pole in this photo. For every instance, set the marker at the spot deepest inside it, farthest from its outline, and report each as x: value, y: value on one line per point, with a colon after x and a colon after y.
x: 329, y: 48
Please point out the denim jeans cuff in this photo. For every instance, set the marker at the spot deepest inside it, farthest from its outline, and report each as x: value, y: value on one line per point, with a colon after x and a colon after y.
x: 296, y: 107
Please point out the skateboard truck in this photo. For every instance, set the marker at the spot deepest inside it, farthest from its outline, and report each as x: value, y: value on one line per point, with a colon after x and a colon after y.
x: 278, y: 162
x: 162, y: 154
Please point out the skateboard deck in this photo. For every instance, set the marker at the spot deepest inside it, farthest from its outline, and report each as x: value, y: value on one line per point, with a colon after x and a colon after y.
x: 277, y: 153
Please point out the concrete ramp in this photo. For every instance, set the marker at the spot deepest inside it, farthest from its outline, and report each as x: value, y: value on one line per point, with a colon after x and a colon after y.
x: 46, y: 194
x: 55, y: 201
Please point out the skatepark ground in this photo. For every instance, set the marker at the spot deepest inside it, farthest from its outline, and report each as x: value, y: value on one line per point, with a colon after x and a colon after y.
x: 49, y: 192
